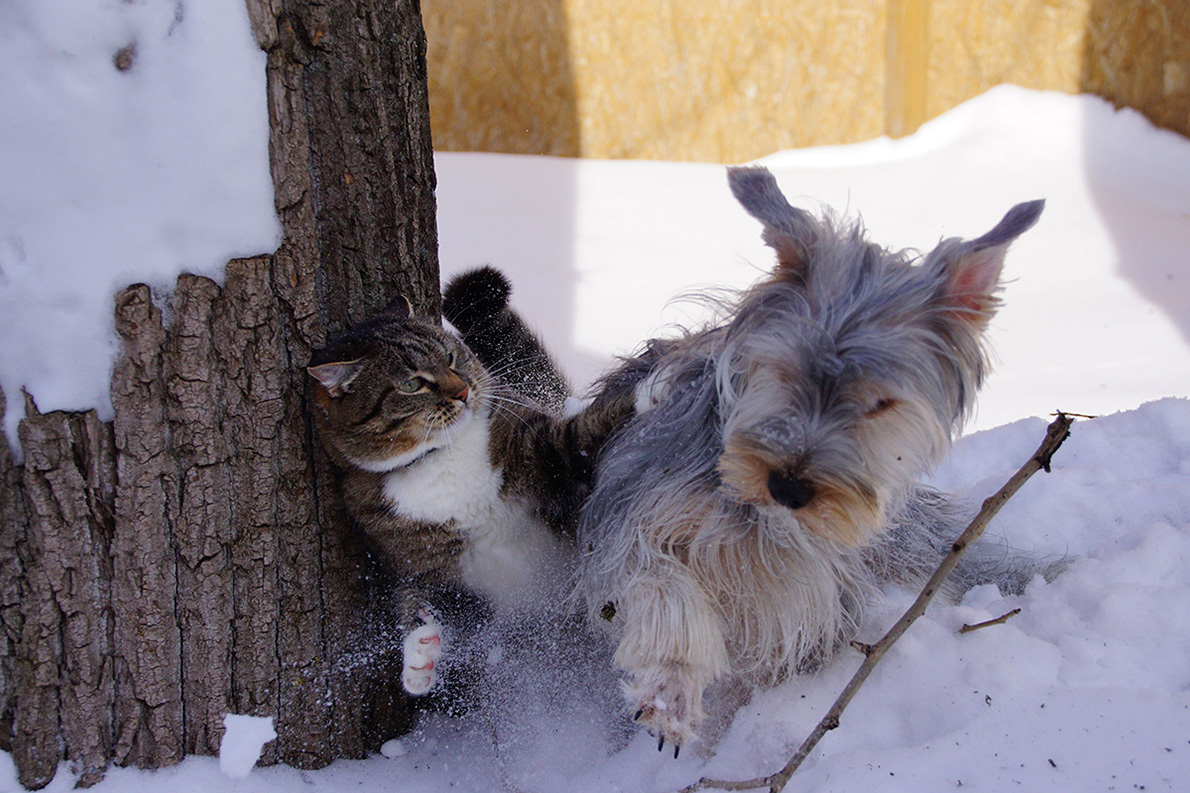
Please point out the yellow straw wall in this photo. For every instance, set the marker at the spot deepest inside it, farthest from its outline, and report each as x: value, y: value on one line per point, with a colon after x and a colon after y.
x: 731, y: 80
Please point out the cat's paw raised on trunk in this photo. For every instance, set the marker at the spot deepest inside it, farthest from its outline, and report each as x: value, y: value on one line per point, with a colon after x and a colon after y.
x: 421, y: 651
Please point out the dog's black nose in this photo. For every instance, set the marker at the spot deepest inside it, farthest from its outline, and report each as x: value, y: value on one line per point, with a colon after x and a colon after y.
x: 790, y: 491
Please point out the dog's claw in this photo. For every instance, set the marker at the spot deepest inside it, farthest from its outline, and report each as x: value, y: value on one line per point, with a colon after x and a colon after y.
x: 668, y: 708
x: 677, y: 748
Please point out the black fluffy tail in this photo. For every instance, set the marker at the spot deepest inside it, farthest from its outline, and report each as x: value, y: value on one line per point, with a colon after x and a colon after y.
x: 476, y: 303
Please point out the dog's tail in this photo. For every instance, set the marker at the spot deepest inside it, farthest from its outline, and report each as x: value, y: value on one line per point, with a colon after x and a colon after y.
x: 476, y: 303
x: 923, y: 532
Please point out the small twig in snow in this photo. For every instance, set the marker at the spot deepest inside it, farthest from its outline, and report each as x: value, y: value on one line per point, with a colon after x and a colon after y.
x: 1003, y: 618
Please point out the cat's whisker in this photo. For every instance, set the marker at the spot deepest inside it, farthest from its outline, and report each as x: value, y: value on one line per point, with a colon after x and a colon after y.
x: 519, y: 363
x: 501, y: 392
x: 515, y: 404
x: 514, y: 399
x: 505, y: 412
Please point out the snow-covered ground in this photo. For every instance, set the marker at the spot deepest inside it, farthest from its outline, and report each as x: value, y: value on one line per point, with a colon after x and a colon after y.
x: 109, y: 176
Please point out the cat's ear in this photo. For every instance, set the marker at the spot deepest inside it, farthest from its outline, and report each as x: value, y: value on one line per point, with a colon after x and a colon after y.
x: 336, y: 377
x: 399, y: 308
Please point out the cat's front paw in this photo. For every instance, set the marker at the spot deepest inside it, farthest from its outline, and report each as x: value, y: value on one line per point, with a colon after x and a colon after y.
x: 422, y: 650
x: 668, y: 703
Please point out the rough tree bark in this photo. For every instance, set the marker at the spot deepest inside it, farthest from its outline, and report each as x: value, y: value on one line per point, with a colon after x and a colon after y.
x: 191, y: 559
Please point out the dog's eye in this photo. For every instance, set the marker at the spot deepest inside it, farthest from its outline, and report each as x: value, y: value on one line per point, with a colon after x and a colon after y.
x: 412, y: 385
x: 881, y: 406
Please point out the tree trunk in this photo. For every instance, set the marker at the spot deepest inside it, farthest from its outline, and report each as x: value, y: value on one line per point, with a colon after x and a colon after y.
x: 192, y: 559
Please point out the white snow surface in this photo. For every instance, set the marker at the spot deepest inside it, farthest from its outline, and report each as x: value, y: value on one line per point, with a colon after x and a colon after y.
x: 243, y: 739
x: 110, y: 177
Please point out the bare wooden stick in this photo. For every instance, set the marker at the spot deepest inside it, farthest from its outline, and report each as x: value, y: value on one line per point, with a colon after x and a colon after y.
x: 1003, y: 618
x: 1057, y: 432
x: 1075, y: 415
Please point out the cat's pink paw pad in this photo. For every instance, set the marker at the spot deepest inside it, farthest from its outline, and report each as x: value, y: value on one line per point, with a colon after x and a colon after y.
x: 422, y: 650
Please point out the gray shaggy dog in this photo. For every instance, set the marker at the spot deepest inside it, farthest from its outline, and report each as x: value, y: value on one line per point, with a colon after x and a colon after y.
x: 769, y: 481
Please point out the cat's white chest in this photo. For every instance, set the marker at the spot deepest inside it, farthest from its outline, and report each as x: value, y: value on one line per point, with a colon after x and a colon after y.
x: 510, y: 555
x: 456, y: 482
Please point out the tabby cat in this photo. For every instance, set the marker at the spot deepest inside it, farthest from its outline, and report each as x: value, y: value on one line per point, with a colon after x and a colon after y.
x: 466, y: 488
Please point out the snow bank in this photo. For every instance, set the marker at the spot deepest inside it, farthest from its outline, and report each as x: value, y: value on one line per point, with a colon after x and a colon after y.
x: 243, y: 739
x: 113, y: 177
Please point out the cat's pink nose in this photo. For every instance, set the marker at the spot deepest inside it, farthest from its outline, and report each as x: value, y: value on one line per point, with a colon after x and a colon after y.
x: 462, y: 393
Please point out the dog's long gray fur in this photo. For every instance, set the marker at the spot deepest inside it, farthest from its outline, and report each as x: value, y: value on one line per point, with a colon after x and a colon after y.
x: 770, y: 479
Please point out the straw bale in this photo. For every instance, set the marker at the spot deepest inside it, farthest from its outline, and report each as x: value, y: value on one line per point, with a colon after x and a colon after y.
x: 714, y: 80
x: 731, y: 80
x: 907, y: 57
x: 499, y: 76
x: 1138, y: 54
x: 723, y: 80
x: 977, y: 44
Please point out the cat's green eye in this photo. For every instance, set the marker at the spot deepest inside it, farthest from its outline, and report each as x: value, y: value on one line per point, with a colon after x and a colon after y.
x: 412, y: 385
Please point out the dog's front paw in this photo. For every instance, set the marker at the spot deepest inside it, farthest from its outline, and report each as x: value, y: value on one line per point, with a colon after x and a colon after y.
x: 668, y: 703
x: 422, y: 651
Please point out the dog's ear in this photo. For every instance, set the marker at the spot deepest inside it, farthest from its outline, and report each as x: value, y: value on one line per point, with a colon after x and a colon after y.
x: 971, y: 269
x: 787, y: 230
